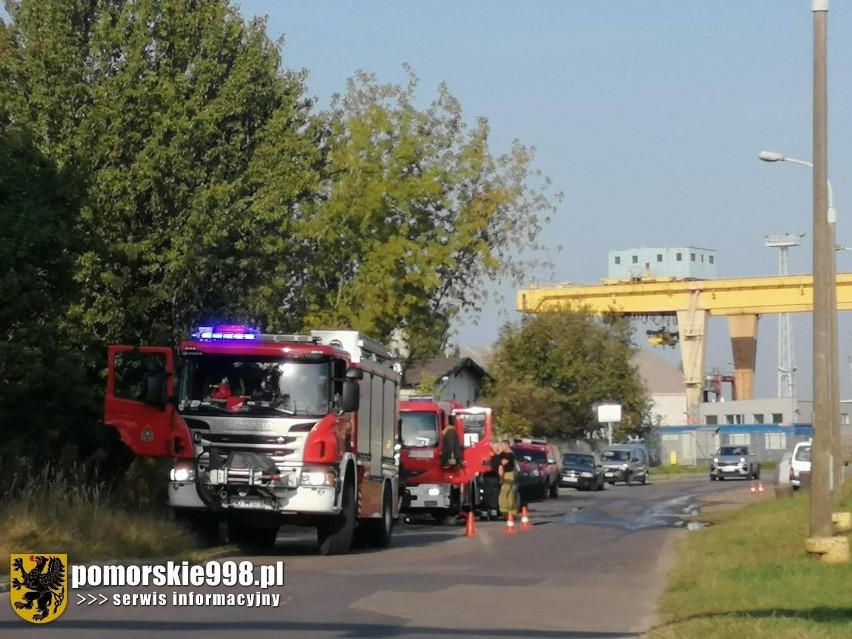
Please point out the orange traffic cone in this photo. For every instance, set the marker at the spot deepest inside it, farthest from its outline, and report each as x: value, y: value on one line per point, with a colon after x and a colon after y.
x: 753, y: 488
x: 470, y: 529
x: 760, y: 487
x: 525, y: 519
x: 510, y: 525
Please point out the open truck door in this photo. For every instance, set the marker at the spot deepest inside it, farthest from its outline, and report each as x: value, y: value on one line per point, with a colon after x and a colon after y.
x: 475, y: 425
x: 476, y: 428
x: 139, y: 402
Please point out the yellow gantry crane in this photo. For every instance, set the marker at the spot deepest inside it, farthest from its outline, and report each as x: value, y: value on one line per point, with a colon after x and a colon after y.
x: 691, y: 303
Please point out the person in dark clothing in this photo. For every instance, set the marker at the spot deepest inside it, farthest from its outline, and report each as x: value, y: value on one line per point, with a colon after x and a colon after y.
x: 491, y: 484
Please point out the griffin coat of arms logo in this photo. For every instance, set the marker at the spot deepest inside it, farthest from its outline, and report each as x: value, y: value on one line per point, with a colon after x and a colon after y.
x: 39, y: 585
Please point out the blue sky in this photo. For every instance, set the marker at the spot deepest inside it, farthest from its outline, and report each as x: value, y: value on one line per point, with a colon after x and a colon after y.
x: 648, y: 115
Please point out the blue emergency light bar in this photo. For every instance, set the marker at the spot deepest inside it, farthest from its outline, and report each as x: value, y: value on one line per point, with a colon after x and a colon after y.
x: 226, y: 332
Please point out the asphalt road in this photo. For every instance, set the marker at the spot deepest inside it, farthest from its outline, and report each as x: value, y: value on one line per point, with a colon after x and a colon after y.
x: 592, y: 566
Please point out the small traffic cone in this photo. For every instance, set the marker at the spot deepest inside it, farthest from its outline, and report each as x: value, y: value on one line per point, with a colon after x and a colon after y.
x: 525, y: 519
x: 510, y: 524
x: 470, y: 529
x: 753, y: 488
x: 760, y: 487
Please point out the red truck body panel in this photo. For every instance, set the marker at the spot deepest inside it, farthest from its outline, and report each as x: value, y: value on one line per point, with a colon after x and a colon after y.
x: 422, y: 464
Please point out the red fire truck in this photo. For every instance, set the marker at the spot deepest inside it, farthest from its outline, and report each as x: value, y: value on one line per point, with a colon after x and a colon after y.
x: 435, y: 483
x: 266, y: 430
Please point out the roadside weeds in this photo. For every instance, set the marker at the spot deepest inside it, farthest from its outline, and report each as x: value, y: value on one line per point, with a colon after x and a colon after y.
x: 747, y: 574
x: 62, y: 510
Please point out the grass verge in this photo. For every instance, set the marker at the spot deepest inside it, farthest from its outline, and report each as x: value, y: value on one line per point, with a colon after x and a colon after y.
x: 675, y: 469
x: 748, y: 575
x: 61, y: 511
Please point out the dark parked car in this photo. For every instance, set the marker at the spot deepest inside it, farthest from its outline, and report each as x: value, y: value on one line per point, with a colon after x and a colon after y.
x: 582, y: 471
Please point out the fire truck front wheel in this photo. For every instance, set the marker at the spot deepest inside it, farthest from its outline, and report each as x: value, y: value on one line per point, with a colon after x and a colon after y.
x: 378, y: 532
x: 334, y: 534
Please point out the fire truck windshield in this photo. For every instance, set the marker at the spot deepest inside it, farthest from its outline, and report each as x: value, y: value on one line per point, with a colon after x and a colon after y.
x: 419, y: 429
x: 243, y: 384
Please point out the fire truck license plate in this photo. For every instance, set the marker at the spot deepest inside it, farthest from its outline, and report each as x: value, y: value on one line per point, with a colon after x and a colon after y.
x: 250, y: 502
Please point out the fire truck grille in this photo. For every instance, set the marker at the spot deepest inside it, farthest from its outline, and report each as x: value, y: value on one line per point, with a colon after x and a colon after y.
x: 197, y: 424
x: 250, y: 440
x: 282, y: 457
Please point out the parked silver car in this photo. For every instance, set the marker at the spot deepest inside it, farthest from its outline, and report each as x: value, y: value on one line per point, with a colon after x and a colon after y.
x: 734, y: 461
x: 626, y: 462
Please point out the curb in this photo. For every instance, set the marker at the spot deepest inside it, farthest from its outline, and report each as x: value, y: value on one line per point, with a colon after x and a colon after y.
x: 6, y: 585
x: 677, y: 477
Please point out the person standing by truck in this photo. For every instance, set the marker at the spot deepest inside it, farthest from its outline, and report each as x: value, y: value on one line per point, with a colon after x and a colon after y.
x: 506, y: 471
x: 491, y: 483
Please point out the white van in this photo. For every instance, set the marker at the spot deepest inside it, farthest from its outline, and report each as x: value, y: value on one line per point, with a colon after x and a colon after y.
x: 800, y: 463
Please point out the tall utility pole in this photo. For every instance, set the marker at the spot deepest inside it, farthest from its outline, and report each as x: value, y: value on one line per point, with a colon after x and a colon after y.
x: 826, y: 391
x: 786, y: 363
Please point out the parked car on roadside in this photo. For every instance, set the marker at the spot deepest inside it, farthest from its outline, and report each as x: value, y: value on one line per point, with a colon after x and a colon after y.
x: 734, y: 461
x: 539, y: 461
x: 626, y: 462
x: 583, y: 471
x: 800, y: 463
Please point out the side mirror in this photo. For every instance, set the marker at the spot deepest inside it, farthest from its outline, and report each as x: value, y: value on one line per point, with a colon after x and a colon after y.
x: 154, y: 393
x: 350, y: 401
x: 354, y: 373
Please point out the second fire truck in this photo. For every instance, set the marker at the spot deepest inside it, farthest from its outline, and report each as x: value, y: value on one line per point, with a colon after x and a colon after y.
x: 445, y: 447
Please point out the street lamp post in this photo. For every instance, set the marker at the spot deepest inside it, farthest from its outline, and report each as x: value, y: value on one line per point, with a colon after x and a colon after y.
x: 774, y: 156
x: 826, y: 414
x: 833, y: 460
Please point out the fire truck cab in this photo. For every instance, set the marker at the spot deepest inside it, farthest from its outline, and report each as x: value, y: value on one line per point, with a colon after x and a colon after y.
x: 267, y: 429
x: 445, y: 446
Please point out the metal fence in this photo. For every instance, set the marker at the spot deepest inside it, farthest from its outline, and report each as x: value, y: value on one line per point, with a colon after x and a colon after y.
x: 695, y: 445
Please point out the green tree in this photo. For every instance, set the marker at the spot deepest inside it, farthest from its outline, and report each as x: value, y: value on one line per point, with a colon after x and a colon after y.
x: 207, y: 188
x: 45, y: 405
x: 197, y: 147
x: 419, y: 215
x: 428, y: 385
x: 551, y: 369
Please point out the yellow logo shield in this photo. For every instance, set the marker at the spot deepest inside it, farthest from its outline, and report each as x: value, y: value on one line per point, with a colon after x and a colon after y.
x: 39, y: 586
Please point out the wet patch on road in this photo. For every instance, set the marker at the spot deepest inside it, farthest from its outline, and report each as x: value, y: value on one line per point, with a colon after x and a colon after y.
x: 630, y: 515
